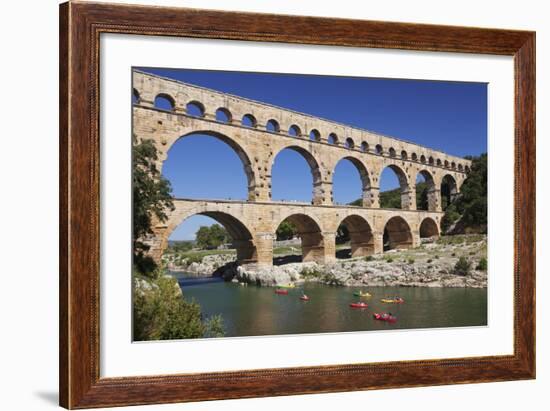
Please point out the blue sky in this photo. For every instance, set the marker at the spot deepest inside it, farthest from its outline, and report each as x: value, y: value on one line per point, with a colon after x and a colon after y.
x: 448, y: 116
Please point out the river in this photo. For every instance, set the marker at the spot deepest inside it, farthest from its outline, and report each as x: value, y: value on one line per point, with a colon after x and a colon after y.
x: 251, y: 310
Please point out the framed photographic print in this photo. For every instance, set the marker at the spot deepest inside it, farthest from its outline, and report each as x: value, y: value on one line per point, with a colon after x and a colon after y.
x: 256, y: 205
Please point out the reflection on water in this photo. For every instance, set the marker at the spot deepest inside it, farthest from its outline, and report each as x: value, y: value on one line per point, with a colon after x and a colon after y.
x: 252, y: 310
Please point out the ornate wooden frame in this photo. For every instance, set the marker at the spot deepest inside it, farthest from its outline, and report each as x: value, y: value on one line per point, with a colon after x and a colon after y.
x: 80, y: 27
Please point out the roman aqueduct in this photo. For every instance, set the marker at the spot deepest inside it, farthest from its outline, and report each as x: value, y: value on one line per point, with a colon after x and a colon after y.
x: 257, y: 132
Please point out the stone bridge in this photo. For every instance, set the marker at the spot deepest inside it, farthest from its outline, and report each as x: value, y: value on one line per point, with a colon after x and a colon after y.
x: 252, y: 226
x: 257, y: 132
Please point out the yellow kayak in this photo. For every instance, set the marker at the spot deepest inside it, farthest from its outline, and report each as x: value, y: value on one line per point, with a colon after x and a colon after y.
x: 392, y: 301
x: 287, y: 286
x: 362, y: 294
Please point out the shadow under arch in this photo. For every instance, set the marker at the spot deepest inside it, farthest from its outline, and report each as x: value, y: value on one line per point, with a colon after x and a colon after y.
x: 403, y: 184
x: 431, y: 200
x: 311, y: 236
x: 317, y: 194
x: 360, y: 237
x: 241, y: 237
x: 397, y: 234
x: 429, y: 228
x: 367, y: 196
x: 241, y: 153
x: 449, y: 190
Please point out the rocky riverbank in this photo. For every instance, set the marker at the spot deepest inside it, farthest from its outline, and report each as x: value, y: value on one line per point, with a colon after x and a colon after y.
x: 431, y: 265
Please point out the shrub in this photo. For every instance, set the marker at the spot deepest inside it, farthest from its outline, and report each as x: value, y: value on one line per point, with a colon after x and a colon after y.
x: 369, y: 258
x: 429, y: 260
x: 389, y: 260
x: 310, y: 273
x: 411, y: 261
x: 436, y: 257
x: 482, y: 265
x: 161, y: 313
x: 463, y: 266
x: 453, y: 255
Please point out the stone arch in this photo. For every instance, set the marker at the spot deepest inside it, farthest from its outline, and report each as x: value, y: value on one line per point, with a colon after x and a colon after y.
x: 360, y: 235
x: 423, y: 159
x: 238, y: 149
x: 431, y: 160
x: 223, y: 115
x: 432, y: 192
x: 379, y: 149
x: 314, y: 135
x: 414, y: 157
x: 449, y: 190
x: 195, y: 109
x: 136, y: 98
x: 367, y: 195
x: 241, y: 236
x: 333, y: 139
x: 314, y: 168
x: 406, y: 201
x: 404, y: 155
x: 349, y: 143
x: 460, y: 167
x: 294, y: 131
x: 272, y: 126
x: 309, y: 231
x: 397, y: 234
x: 428, y: 228
x: 392, y: 152
x: 249, y: 120
x: 365, y: 147
x: 438, y: 162
x: 165, y: 102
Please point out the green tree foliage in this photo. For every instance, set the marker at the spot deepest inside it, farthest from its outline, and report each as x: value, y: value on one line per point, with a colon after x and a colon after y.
x: 392, y: 198
x: 471, y: 205
x: 211, y: 237
x: 286, y: 231
x: 482, y: 265
x: 151, y: 197
x: 160, y: 313
x: 179, y: 246
x: 463, y: 266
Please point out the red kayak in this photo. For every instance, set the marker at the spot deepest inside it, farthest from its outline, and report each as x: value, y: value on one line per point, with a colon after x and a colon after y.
x: 304, y: 298
x: 384, y: 317
x: 359, y: 305
x: 282, y: 292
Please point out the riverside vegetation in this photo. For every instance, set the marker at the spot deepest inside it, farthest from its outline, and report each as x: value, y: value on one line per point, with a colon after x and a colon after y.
x: 160, y: 311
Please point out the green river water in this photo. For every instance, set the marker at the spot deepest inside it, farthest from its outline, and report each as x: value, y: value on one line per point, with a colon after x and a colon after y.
x: 251, y: 310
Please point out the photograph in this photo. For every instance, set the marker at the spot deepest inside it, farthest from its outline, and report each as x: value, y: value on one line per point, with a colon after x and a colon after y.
x: 273, y: 204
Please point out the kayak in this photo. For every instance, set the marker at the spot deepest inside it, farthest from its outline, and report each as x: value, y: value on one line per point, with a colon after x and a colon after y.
x: 288, y: 286
x: 304, y: 298
x: 393, y: 300
x: 359, y: 305
x: 282, y: 292
x: 362, y: 294
x: 384, y: 317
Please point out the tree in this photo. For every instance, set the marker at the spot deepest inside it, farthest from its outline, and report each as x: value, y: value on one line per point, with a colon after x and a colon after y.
x: 151, y: 198
x: 211, y: 237
x: 286, y: 231
x: 161, y: 312
x: 470, y: 207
